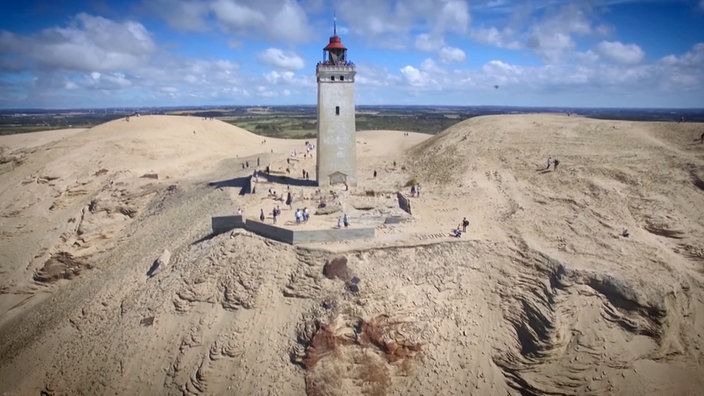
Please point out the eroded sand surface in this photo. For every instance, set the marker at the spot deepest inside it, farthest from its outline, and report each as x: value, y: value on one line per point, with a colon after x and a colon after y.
x: 542, y: 295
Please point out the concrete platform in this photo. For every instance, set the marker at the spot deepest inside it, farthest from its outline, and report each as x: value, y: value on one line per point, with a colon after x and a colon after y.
x: 290, y: 235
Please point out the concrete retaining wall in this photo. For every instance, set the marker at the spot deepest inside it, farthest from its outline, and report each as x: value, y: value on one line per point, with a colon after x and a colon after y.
x: 223, y: 224
x: 270, y: 231
x: 338, y: 234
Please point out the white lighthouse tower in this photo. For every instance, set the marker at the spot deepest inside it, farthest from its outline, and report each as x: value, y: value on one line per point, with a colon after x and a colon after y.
x: 336, y: 150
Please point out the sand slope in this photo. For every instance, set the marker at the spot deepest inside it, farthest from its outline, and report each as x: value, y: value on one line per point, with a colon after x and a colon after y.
x: 542, y: 295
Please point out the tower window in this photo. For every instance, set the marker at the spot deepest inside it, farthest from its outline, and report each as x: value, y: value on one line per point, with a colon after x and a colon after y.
x: 332, y: 78
x: 337, y: 110
x: 342, y: 78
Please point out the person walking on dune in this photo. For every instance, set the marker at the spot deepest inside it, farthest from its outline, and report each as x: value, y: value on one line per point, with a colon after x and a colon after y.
x: 556, y: 162
x: 261, y: 215
x: 549, y: 162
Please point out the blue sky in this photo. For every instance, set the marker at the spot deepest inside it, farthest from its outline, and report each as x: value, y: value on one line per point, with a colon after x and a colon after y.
x: 130, y: 53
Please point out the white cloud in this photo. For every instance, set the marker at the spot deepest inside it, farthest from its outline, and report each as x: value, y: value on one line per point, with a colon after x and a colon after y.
x: 285, y: 22
x: 236, y: 17
x: 426, y: 42
x: 693, y: 59
x: 429, y: 66
x: 500, y: 73
x: 276, y: 78
x: 498, y: 38
x: 98, y: 81
x: 268, y: 92
x: 446, y: 54
x: 550, y: 45
x: 701, y: 5
x: 551, y: 37
x: 451, y: 55
x: 390, y: 24
x: 89, y: 43
x: 685, y: 71
x: 589, y: 57
x: 620, y: 53
x: 186, y: 15
x: 453, y: 16
x: 290, y: 23
x: 278, y: 58
x: 499, y: 67
x: 415, y: 77
x: 369, y: 75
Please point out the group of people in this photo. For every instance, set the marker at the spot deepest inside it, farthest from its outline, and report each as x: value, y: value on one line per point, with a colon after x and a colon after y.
x: 271, y: 193
x: 462, y: 227
x: 343, y: 220
x: 555, y: 162
x: 276, y: 212
x: 302, y: 215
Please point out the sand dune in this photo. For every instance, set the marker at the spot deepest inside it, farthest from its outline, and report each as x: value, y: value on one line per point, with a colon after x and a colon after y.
x: 542, y: 295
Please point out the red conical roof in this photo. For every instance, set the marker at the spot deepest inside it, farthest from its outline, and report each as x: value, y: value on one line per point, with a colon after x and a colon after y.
x: 335, y: 43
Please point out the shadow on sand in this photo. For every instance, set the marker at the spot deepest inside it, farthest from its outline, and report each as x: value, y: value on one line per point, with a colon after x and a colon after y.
x: 154, y: 269
x: 245, y: 182
x: 207, y: 237
x: 288, y: 180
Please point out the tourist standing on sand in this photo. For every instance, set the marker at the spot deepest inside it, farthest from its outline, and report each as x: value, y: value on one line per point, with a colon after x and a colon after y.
x: 549, y: 162
x: 346, y: 220
x: 261, y: 215
x: 556, y: 162
x: 465, y: 224
x: 274, y: 214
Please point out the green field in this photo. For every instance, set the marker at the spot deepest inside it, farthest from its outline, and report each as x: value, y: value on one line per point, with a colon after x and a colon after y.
x: 12, y: 124
x: 302, y: 122
x: 295, y: 122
